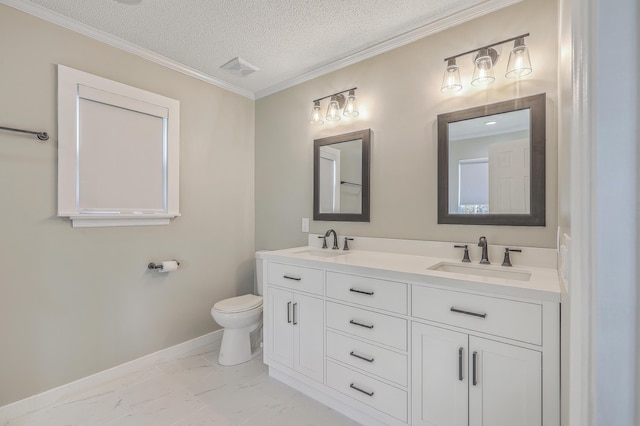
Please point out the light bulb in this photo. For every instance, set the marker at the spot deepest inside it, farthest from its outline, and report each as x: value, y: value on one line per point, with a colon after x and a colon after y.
x: 351, y: 108
x: 451, y: 79
x: 519, y: 63
x: 483, y: 73
x: 333, y: 112
x: 316, y: 114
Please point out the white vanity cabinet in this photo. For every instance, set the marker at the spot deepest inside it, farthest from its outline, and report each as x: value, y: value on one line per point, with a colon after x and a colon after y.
x: 388, y: 347
x: 480, y: 363
x: 295, y: 320
x: 462, y: 380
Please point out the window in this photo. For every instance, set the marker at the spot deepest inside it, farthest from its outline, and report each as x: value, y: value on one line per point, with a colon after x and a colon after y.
x: 473, y: 186
x: 118, y: 159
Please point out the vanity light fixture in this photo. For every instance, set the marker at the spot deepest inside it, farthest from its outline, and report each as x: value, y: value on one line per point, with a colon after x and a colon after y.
x: 333, y: 112
x: 351, y: 108
x: 337, y: 102
x: 519, y: 63
x: 316, y: 114
x: 485, y: 59
x: 483, y: 73
x: 451, y: 80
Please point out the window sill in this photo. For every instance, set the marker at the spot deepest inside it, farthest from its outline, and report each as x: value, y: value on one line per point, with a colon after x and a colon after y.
x: 110, y: 220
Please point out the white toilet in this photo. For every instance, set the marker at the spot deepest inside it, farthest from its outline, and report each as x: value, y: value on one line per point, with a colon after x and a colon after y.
x: 241, y: 318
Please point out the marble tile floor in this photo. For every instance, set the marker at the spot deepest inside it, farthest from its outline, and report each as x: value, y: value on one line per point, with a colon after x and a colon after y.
x: 189, y: 391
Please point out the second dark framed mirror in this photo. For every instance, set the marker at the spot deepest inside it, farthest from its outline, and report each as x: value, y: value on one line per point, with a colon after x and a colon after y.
x: 491, y: 164
x: 341, y: 177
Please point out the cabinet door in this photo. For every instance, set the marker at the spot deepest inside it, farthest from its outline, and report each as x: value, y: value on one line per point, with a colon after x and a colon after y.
x: 439, y: 379
x: 308, y: 319
x: 508, y: 385
x: 280, y: 329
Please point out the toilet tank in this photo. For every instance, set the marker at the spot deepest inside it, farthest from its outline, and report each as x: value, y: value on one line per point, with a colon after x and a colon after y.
x: 259, y: 263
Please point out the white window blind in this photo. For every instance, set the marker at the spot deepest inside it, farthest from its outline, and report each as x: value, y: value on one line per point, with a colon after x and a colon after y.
x: 473, y: 182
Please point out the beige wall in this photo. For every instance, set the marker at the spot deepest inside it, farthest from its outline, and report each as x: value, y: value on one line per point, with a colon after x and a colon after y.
x: 400, y: 98
x: 77, y: 301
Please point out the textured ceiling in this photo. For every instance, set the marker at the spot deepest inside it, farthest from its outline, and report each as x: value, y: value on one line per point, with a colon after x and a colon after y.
x: 285, y: 39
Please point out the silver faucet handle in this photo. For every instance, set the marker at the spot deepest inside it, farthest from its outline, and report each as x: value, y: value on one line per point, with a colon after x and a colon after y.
x: 324, y: 241
x: 346, y: 243
x: 507, y: 260
x: 465, y: 257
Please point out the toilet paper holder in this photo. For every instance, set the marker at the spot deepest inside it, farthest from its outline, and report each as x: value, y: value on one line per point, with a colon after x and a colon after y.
x: 158, y: 266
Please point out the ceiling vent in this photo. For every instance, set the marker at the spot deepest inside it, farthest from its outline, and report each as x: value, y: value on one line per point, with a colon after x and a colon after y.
x: 240, y: 67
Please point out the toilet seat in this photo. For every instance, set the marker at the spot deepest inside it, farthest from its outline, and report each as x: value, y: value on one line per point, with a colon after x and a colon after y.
x: 242, y: 303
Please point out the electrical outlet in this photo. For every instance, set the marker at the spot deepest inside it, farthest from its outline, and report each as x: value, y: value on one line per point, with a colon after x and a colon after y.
x: 305, y: 224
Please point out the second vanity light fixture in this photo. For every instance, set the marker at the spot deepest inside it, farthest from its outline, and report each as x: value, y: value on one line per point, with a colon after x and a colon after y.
x: 485, y: 58
x: 337, y: 102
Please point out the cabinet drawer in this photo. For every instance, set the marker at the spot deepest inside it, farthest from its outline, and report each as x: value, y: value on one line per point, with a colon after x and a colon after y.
x: 370, y: 325
x: 370, y: 358
x: 367, y: 390
x: 387, y: 295
x: 507, y: 318
x: 296, y: 277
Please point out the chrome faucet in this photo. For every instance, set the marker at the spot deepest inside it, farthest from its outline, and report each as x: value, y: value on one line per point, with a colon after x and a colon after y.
x: 335, y: 238
x: 482, y: 242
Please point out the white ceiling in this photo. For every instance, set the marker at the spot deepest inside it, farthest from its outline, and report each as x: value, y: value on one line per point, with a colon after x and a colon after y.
x: 289, y: 40
x: 507, y: 122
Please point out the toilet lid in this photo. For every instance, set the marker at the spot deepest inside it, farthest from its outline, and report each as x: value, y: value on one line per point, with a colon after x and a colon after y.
x: 239, y: 304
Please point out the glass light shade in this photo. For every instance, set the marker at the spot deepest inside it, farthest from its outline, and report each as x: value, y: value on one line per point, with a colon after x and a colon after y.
x: 519, y: 63
x: 483, y: 73
x: 333, y: 112
x: 451, y: 80
x: 351, y: 108
x: 316, y: 114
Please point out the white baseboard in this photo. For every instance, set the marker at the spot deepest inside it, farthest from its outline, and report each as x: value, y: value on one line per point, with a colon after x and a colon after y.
x: 55, y: 395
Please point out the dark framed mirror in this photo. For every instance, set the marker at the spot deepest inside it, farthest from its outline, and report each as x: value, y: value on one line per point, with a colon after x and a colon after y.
x: 341, y: 177
x: 491, y: 164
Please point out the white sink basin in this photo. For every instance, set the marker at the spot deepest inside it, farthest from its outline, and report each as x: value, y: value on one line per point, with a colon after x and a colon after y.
x: 324, y: 253
x: 483, y: 271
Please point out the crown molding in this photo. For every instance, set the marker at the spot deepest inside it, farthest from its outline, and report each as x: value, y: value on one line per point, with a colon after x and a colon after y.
x: 99, y: 35
x: 452, y: 20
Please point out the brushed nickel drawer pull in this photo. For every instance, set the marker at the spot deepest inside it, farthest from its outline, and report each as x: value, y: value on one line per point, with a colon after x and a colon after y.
x: 361, y: 325
x: 475, y: 314
x: 291, y: 278
x: 352, y: 353
x: 355, y: 290
x: 352, y: 386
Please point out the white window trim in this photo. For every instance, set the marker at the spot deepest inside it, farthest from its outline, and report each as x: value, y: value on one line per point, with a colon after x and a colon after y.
x: 74, y: 84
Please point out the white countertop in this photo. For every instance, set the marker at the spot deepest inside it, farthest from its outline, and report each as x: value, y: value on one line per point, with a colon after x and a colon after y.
x: 542, y: 285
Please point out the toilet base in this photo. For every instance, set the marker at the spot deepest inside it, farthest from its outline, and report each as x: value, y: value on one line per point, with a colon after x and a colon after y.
x: 240, y: 345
